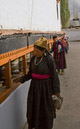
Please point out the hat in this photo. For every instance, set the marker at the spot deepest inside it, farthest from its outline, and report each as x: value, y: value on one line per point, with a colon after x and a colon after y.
x: 54, y: 36
x: 41, y: 42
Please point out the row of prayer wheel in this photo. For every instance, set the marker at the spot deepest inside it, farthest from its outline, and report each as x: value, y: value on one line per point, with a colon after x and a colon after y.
x: 16, y: 68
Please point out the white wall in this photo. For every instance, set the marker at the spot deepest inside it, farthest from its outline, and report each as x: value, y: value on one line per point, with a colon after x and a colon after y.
x: 29, y: 14
x: 13, y: 109
x: 74, y: 6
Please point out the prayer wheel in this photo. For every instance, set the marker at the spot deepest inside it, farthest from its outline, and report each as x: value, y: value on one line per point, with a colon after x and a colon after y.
x: 28, y: 59
x: 15, y: 66
x: 20, y: 64
x: 2, y: 75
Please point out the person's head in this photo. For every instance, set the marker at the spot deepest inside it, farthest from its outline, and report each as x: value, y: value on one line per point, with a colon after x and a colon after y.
x: 62, y: 38
x: 55, y: 38
x: 40, y: 46
x: 64, y: 34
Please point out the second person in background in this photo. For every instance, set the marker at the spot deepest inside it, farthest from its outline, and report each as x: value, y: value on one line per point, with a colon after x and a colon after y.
x: 59, y: 55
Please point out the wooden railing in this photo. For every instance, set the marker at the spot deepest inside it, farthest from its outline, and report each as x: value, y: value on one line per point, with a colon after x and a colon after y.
x: 6, y: 59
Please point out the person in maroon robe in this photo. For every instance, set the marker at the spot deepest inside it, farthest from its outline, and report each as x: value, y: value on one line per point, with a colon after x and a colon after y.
x: 59, y: 55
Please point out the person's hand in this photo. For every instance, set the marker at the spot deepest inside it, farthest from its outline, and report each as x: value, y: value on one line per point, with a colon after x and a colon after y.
x: 16, y: 84
x: 58, y: 51
x: 53, y: 54
x: 57, y: 94
x: 17, y: 80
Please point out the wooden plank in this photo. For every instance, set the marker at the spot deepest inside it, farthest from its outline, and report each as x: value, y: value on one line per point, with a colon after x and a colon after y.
x: 15, y: 56
x: 4, y: 95
x: 17, y: 53
x: 8, y: 74
x: 24, y: 64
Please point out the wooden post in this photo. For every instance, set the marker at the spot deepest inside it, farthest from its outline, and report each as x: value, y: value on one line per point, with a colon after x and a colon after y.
x: 24, y: 64
x: 8, y: 74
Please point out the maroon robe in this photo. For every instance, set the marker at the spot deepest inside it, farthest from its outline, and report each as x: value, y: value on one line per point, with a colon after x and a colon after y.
x: 59, y: 57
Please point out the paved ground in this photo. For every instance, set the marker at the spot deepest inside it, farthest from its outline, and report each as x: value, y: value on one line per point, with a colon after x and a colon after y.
x: 69, y: 116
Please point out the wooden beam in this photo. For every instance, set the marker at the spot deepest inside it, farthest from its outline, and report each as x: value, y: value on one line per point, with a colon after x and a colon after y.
x: 24, y: 64
x: 15, y: 55
x: 4, y: 94
x: 8, y: 74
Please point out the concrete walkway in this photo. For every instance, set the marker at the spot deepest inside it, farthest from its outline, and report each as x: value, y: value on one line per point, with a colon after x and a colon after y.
x: 69, y: 115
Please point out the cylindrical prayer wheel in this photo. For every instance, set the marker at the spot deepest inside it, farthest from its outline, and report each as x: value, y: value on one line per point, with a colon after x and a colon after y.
x: 1, y: 83
x: 2, y: 75
x: 20, y: 64
x: 15, y: 66
x: 28, y: 56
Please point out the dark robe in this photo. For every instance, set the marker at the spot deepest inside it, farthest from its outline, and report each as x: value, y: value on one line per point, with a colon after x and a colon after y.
x: 59, y: 57
x: 40, y: 109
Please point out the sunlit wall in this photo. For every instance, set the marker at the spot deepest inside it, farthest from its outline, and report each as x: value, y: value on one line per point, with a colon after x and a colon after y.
x: 30, y: 15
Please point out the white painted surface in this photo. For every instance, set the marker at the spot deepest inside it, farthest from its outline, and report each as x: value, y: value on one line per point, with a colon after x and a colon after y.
x: 74, y: 6
x: 13, y: 109
x: 30, y: 15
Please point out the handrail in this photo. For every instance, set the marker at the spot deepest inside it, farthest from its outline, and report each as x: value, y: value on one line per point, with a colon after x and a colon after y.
x: 4, y: 58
